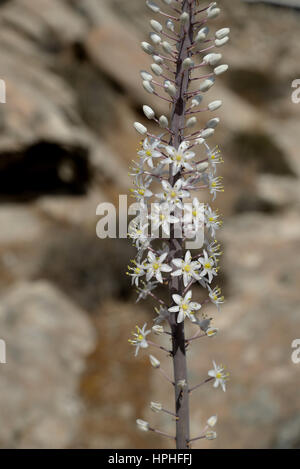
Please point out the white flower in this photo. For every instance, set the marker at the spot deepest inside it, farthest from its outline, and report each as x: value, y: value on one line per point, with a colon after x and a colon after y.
x: 137, y: 271
x: 187, y: 268
x: 143, y: 425
x: 208, y: 266
x: 142, y: 190
x: 160, y: 216
x: 214, y: 157
x: 138, y: 233
x: 216, y: 296
x: 149, y: 151
x: 184, y: 307
x: 158, y: 330
x: 215, y: 185
x: 220, y: 376
x: 145, y: 290
x: 212, y: 331
x: 194, y: 213
x: 180, y: 157
x: 211, y: 221
x: 139, y: 340
x: 213, y: 249
x: 173, y: 194
x: 156, y: 266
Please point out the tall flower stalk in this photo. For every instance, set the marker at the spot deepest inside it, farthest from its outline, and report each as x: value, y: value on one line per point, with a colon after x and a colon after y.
x: 172, y: 167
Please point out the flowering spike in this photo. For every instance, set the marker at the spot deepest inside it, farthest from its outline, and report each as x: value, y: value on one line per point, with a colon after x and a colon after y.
x: 174, y: 164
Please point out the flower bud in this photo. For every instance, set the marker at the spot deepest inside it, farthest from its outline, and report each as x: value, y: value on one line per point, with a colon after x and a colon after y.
x: 147, y: 48
x: 196, y: 100
x: 221, y: 69
x: 142, y: 425
x: 153, y: 7
x: 145, y: 75
x: 212, y: 123
x: 156, y: 69
x: 207, y: 133
x: 201, y: 167
x: 210, y: 435
x: 148, y: 111
x: 158, y: 330
x: 202, y: 34
x: 156, y: 406
x: 167, y: 2
x: 157, y: 59
x: 155, y: 38
x: 167, y: 47
x: 213, y: 12
x: 212, y: 59
x: 182, y: 384
x: 211, y: 422
x: 191, y: 122
x: 163, y: 122
x: 207, y: 84
x: 184, y: 18
x: 148, y: 87
x: 221, y: 42
x: 222, y: 33
x: 170, y: 25
x: 187, y: 63
x: 156, y: 26
x: 214, y: 105
x: 170, y: 88
x: 154, y: 362
x: 141, y: 129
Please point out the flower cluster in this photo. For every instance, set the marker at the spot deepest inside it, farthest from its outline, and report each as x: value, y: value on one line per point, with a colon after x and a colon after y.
x: 173, y: 168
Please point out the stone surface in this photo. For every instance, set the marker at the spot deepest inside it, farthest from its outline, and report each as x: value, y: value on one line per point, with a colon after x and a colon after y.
x: 47, y: 339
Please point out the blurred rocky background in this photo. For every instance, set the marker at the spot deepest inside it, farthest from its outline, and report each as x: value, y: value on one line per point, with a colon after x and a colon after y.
x: 66, y: 308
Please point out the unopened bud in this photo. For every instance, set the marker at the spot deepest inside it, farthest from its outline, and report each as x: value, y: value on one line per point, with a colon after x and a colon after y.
x: 148, y: 87
x: 156, y: 26
x: 157, y: 59
x: 156, y: 69
x: 213, y: 12
x: 182, y: 384
x: 212, y: 123
x: 214, y: 105
x: 196, y: 100
x: 170, y: 25
x: 184, y: 18
x: 210, y: 435
x: 156, y: 406
x: 211, y: 422
x: 140, y: 128
x: 145, y: 75
x: 221, y: 42
x: 202, y: 34
x: 147, y: 48
x: 154, y: 362
x: 163, y: 122
x: 155, y: 38
x: 142, y: 425
x: 221, y: 69
x: 167, y: 2
x: 212, y: 59
x: 170, y: 88
x: 191, y: 122
x: 207, y: 84
x: 167, y: 47
x: 148, y: 111
x: 222, y: 33
x: 207, y: 133
x: 158, y: 330
x: 201, y: 167
x: 187, y: 63
x: 152, y: 6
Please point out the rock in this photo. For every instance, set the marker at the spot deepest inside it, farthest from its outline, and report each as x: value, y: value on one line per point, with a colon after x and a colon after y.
x: 47, y: 339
